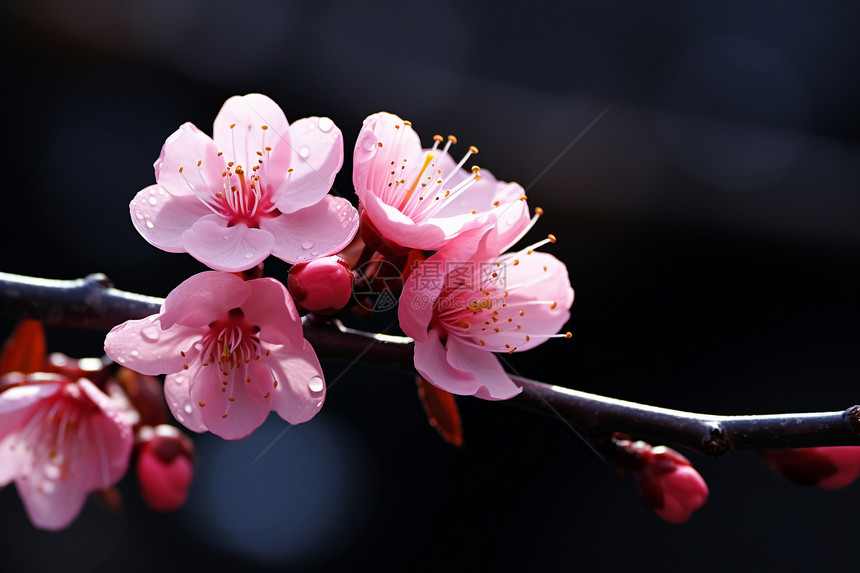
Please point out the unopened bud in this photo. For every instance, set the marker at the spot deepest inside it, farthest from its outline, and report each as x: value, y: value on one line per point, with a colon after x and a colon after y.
x: 831, y: 468
x: 670, y: 485
x: 164, y: 467
x: 323, y: 285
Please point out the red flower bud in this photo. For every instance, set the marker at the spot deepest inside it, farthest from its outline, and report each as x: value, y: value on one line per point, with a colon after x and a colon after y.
x: 322, y: 285
x: 831, y: 468
x: 669, y: 485
x: 164, y: 467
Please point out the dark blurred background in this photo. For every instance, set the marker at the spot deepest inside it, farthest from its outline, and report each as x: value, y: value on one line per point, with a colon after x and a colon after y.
x: 708, y: 220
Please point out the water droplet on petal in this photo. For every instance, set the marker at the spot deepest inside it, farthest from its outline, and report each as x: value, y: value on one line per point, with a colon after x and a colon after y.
x: 304, y: 151
x: 226, y: 237
x: 187, y: 409
x: 368, y: 143
x: 139, y: 215
x: 149, y: 225
x: 314, y: 253
x: 198, y: 346
x: 249, y: 255
x: 120, y: 359
x: 316, y: 384
x: 325, y: 124
x: 153, y: 201
x: 161, y: 191
x: 135, y: 353
x: 307, y: 244
x: 151, y: 333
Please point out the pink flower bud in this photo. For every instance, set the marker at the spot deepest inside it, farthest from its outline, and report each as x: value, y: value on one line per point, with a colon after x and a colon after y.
x: 670, y: 486
x: 322, y: 285
x: 164, y: 467
x: 831, y: 468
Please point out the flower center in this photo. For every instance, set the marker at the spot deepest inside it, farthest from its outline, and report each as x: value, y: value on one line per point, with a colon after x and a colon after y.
x: 474, y: 304
x: 242, y: 196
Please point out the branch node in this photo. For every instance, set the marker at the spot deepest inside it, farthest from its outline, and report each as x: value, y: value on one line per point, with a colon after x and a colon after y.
x: 717, y: 443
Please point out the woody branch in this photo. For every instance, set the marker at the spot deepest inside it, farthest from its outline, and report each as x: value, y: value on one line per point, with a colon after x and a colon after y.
x: 93, y: 303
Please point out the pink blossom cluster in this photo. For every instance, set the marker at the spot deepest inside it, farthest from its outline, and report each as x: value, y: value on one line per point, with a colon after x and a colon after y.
x: 233, y: 349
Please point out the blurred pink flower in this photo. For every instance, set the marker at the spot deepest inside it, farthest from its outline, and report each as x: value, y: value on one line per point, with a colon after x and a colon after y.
x: 233, y: 351
x: 421, y: 198
x: 466, y: 302
x: 670, y: 485
x: 828, y: 467
x: 59, y: 441
x: 261, y: 187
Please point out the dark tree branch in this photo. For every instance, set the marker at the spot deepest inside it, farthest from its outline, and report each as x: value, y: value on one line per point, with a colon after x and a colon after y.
x: 92, y: 302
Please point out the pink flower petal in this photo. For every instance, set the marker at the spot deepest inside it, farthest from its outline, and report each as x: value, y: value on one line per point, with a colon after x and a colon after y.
x: 143, y: 346
x: 271, y: 308
x: 177, y: 393
x: 50, y: 505
x: 202, y: 298
x: 244, y: 413
x: 161, y: 218
x: 317, y: 156
x: 183, y: 150
x: 317, y: 231
x: 223, y: 248
x: 495, y: 384
x: 397, y: 227
x: 301, y: 389
x: 257, y: 123
x: 461, y: 369
x: 398, y: 143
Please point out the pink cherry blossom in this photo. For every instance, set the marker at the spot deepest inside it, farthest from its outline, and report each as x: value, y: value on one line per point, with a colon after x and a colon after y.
x: 421, y: 198
x: 670, y: 485
x: 466, y: 302
x: 59, y: 441
x: 233, y: 351
x: 261, y: 187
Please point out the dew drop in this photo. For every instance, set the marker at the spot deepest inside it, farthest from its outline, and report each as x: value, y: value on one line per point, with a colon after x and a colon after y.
x: 187, y: 409
x: 151, y: 333
x: 149, y: 225
x: 161, y: 191
x: 153, y: 201
x: 139, y: 215
x: 316, y: 384
x: 369, y: 144
x: 198, y: 346
x: 304, y: 151
x: 325, y: 124
x: 249, y: 255
x: 135, y: 353
x: 307, y: 244
x: 314, y: 254
x: 120, y: 359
